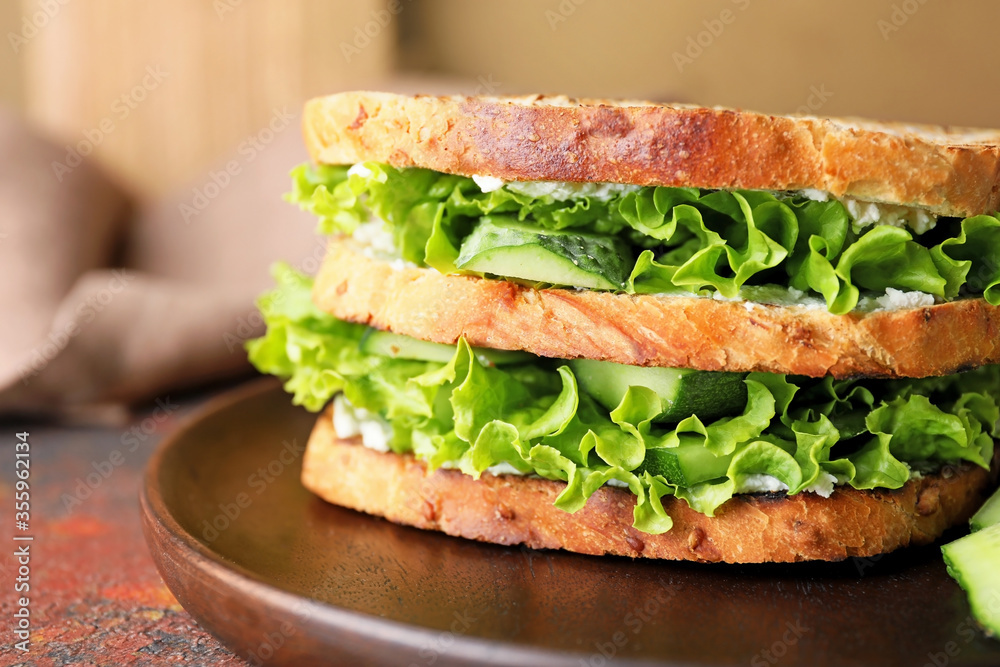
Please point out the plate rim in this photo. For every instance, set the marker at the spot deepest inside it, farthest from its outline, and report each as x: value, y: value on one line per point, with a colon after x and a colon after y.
x: 156, y: 514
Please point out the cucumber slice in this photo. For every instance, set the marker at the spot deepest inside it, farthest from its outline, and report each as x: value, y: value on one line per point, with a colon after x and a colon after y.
x: 503, y: 247
x: 685, y: 465
x: 398, y: 346
x: 683, y: 392
x: 988, y: 514
x: 974, y: 562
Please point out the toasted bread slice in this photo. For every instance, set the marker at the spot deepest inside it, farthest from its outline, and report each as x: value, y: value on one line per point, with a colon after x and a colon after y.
x: 753, y: 528
x: 948, y: 171
x: 649, y: 330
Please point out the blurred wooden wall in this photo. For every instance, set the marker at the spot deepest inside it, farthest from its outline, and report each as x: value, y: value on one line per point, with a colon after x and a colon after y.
x: 10, y: 72
x: 164, y: 88
x: 230, y: 64
x: 913, y: 60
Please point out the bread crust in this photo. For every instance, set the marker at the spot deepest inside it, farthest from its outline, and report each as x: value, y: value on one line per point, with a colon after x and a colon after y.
x: 753, y: 528
x: 681, y: 332
x: 950, y: 172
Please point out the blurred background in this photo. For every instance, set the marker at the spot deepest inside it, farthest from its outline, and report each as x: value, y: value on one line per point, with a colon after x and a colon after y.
x: 231, y: 63
x: 185, y: 116
x: 144, y: 149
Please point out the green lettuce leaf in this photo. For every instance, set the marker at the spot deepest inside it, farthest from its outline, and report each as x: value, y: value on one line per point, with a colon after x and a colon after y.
x: 471, y: 415
x: 685, y: 240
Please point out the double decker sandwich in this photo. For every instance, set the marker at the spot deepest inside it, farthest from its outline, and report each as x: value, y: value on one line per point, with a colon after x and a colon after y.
x: 649, y: 330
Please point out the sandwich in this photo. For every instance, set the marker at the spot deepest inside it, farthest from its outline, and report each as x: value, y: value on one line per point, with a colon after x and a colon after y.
x: 646, y: 330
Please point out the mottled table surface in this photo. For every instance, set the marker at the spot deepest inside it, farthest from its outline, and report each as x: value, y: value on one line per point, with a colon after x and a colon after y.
x: 95, y: 597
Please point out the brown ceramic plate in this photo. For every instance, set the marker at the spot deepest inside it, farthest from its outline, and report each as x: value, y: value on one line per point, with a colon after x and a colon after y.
x: 282, y: 577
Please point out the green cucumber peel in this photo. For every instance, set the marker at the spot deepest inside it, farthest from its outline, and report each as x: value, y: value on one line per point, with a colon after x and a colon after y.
x: 972, y: 561
x: 499, y: 245
x: 684, y: 240
x: 988, y: 515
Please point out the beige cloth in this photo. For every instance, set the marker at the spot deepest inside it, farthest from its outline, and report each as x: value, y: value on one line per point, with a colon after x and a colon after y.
x: 107, y: 302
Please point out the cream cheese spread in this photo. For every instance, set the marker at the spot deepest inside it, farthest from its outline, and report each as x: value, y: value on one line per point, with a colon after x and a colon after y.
x: 761, y: 483
x: 350, y: 422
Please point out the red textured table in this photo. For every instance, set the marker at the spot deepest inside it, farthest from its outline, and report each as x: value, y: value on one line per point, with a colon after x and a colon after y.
x: 95, y: 597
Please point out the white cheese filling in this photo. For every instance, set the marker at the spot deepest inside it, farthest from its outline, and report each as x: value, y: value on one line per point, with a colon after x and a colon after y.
x: 762, y: 483
x: 375, y: 236
x: 359, y: 170
x: 562, y: 191
x: 895, y: 299
x: 557, y: 190
x: 350, y: 422
x: 488, y: 184
x: 503, y: 468
x: 377, y: 242
x: 776, y: 295
x: 867, y: 213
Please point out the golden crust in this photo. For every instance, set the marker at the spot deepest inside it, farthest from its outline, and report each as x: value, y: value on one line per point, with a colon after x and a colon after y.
x: 755, y: 528
x: 947, y: 171
x: 682, y: 332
